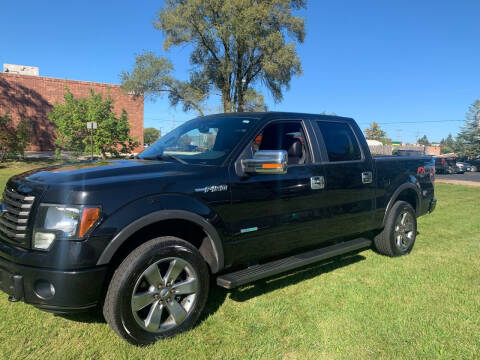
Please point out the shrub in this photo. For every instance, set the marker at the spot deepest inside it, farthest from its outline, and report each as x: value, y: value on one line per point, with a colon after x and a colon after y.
x: 13, y: 139
x: 112, y: 135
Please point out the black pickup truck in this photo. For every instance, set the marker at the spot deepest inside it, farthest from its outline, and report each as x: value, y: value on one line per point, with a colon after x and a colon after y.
x: 231, y: 197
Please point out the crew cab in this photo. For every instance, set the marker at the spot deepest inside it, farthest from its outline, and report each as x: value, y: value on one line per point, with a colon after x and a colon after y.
x: 229, y: 198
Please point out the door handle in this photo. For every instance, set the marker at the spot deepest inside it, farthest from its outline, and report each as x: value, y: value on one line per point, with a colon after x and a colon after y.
x: 367, y: 177
x: 317, y: 182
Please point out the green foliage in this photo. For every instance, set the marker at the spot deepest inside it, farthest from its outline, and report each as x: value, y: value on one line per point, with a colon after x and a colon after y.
x: 468, y: 140
x: 13, y: 139
x: 254, y: 101
x: 423, y: 141
x: 70, y: 119
x: 237, y: 44
x: 374, y: 132
x: 151, y: 77
x: 447, y: 145
x: 150, y: 135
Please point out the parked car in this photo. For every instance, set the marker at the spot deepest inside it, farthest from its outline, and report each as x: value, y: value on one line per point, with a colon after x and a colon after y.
x: 475, y: 163
x: 464, y: 166
x: 447, y: 166
x: 233, y: 198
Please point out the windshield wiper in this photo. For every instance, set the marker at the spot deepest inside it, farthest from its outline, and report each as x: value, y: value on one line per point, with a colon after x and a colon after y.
x: 166, y: 157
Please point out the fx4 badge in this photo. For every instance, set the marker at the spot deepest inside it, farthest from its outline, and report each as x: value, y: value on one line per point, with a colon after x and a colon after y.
x: 212, y: 188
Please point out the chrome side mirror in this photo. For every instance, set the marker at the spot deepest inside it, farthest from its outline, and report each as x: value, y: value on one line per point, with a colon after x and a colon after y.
x: 267, y: 162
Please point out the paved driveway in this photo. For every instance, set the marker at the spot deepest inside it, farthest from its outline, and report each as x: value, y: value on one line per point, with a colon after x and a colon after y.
x: 468, y: 176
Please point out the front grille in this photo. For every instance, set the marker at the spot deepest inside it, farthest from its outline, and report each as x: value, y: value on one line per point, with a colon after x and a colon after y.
x: 14, y: 218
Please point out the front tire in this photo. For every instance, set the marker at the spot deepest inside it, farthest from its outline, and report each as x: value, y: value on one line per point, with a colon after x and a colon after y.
x: 158, y: 291
x: 398, y: 236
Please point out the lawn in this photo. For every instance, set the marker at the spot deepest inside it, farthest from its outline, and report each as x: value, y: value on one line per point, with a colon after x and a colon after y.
x: 425, y: 305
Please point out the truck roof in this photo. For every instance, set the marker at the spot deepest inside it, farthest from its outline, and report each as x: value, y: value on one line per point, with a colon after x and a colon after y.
x: 276, y: 114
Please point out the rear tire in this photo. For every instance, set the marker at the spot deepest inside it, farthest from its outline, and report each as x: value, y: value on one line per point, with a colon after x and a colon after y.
x: 398, y: 236
x: 158, y: 291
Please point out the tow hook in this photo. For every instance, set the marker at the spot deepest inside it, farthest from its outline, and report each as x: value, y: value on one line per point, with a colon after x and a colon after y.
x: 12, y: 298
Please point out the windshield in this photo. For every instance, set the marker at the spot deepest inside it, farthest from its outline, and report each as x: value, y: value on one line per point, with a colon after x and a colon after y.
x: 200, y: 141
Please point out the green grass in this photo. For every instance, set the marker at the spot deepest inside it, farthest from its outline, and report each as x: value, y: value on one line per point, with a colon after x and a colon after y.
x: 425, y: 305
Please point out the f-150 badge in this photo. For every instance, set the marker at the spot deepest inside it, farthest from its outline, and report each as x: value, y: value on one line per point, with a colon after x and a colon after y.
x: 212, y: 188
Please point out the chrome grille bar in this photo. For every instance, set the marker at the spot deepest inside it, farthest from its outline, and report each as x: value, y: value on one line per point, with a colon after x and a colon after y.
x: 14, y: 218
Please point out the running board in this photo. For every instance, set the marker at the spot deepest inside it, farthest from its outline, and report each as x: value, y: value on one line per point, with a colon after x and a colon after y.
x: 256, y: 272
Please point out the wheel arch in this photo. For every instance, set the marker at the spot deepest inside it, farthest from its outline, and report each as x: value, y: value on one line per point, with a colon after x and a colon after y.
x: 406, y: 192
x: 210, y: 246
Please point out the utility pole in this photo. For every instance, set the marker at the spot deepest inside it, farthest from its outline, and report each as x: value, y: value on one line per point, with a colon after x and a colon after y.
x: 91, y: 125
x: 91, y: 141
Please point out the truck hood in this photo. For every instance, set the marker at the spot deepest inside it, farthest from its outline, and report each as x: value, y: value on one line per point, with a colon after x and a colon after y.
x: 95, y: 172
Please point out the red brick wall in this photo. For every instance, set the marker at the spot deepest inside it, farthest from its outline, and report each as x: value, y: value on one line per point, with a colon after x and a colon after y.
x: 32, y: 98
x: 432, y: 150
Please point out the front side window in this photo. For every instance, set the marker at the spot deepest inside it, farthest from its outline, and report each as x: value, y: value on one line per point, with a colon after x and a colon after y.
x: 340, y: 141
x: 288, y: 136
x: 205, y: 141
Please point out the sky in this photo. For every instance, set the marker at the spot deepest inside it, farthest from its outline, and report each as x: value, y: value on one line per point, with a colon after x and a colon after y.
x: 411, y: 66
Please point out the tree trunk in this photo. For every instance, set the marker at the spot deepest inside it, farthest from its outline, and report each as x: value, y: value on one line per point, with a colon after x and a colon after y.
x: 226, y: 101
x: 241, y: 96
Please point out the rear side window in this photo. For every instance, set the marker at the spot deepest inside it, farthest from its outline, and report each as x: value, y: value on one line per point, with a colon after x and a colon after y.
x: 340, y: 141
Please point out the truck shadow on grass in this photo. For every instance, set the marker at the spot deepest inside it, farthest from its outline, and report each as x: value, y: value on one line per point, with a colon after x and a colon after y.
x: 264, y: 286
x: 94, y: 316
x: 218, y: 295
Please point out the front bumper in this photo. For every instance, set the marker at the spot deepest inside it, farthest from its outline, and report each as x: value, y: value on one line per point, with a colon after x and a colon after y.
x: 53, y: 290
x: 432, y: 206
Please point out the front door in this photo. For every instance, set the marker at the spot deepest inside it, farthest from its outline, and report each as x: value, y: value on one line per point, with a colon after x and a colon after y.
x: 274, y: 213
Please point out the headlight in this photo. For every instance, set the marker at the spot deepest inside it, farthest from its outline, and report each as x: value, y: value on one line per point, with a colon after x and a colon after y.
x: 62, y: 222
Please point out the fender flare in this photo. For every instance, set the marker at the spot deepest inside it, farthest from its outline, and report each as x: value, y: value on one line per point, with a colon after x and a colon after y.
x: 395, y: 195
x: 216, y: 264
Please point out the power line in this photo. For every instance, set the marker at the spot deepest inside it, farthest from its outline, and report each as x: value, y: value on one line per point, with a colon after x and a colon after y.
x: 157, y: 119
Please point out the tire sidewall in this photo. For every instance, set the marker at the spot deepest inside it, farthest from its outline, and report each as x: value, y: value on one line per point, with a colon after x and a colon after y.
x: 398, y: 209
x: 159, y: 249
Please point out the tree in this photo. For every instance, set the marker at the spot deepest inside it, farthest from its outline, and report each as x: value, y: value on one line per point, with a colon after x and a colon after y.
x: 237, y: 45
x: 447, y: 145
x: 112, y: 135
x: 468, y: 140
x: 254, y: 101
x: 150, y: 135
x: 13, y: 140
x: 423, y: 141
x: 374, y: 132
x: 151, y: 77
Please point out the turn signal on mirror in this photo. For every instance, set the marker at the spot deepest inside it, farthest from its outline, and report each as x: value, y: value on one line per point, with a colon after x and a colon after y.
x: 271, y: 166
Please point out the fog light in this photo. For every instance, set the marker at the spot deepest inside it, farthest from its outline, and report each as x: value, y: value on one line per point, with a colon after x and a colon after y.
x: 44, y: 289
x: 43, y: 240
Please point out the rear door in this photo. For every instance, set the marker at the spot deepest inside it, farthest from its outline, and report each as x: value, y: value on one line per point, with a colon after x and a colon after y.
x: 350, y: 188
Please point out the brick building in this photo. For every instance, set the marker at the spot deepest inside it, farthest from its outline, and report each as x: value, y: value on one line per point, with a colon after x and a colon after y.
x: 32, y: 98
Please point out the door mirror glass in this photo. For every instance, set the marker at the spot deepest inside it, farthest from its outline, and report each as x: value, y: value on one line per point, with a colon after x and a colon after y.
x: 267, y: 162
